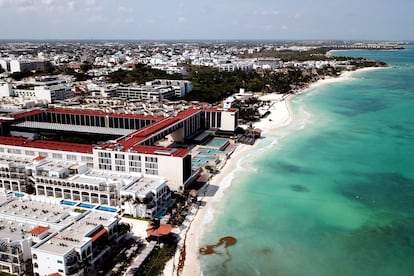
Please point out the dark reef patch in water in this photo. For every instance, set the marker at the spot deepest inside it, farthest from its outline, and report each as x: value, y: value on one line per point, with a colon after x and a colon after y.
x: 226, y: 241
x: 383, y: 190
x: 265, y: 251
x: 299, y: 188
x: 290, y: 168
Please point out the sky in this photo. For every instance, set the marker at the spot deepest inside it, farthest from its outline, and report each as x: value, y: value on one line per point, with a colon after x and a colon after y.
x: 208, y: 19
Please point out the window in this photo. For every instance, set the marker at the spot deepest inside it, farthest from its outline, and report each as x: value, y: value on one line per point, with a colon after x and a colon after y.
x: 60, y: 270
x: 71, y: 157
x: 104, y: 154
x: 86, y: 159
x: 119, y: 156
x: 151, y: 159
x: 151, y: 166
x: 59, y: 262
x: 105, y: 167
x: 15, y: 151
x: 135, y: 157
x: 119, y: 162
x: 57, y: 155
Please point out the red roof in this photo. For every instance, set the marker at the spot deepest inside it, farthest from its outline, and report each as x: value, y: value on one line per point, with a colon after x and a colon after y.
x: 98, y: 234
x: 28, y: 113
x: 38, y: 230
x: 143, y: 133
x: 100, y: 113
x: 163, y: 230
x: 38, y: 158
x: 187, y: 113
x: 138, y: 136
x: 12, y: 141
x: 214, y: 109
x: 43, y: 144
x: 62, y: 146
x: 177, y: 152
x: 54, y: 274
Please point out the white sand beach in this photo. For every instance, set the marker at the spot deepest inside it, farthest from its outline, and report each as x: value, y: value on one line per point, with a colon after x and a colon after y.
x: 279, y: 116
x: 194, y: 226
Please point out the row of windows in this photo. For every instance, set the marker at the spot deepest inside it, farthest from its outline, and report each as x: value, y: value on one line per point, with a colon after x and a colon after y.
x: 14, y: 151
x: 47, y: 154
x: 151, y: 159
x: 121, y: 157
x: 119, y: 162
x: 100, y: 188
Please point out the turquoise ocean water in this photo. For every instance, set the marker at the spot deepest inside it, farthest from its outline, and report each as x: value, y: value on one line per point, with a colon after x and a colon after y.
x: 333, y: 192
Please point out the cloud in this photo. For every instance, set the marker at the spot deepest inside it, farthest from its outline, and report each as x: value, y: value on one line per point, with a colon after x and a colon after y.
x: 181, y: 20
x: 97, y: 19
x: 284, y: 28
x: 265, y: 12
x: 47, y: 2
x: 71, y: 5
x: 297, y: 15
x: 20, y: 5
x: 123, y: 9
x: 91, y: 2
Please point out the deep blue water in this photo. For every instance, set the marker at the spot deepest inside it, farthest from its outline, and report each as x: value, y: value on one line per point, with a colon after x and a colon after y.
x: 333, y: 192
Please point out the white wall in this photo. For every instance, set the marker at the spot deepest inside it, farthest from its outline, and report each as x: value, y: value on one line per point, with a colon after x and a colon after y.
x: 15, y: 66
x: 228, y: 122
x: 5, y: 90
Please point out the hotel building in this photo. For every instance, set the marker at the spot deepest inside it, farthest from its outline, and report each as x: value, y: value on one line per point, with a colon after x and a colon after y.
x: 39, y: 236
x: 130, y: 139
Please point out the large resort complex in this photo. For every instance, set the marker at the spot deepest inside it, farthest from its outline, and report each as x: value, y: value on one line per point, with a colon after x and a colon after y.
x: 125, y: 161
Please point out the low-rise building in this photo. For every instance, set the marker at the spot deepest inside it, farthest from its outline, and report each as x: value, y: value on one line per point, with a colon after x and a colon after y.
x: 146, y: 197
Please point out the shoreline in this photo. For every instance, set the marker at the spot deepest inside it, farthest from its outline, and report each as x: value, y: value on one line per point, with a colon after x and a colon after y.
x: 280, y: 115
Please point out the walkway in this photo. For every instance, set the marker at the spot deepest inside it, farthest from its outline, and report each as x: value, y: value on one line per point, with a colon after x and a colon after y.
x: 140, y: 259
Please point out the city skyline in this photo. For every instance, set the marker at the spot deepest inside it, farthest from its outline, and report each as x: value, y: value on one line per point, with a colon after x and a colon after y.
x: 187, y: 20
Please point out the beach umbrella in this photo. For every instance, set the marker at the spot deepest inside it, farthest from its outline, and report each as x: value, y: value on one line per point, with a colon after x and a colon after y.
x: 162, y: 230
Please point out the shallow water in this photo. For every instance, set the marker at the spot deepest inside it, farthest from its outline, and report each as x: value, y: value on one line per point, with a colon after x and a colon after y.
x: 333, y: 192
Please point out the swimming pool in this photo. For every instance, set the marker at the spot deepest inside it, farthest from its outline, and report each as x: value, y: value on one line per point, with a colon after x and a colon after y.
x: 208, y: 152
x: 218, y: 142
x: 107, y: 209
x: 67, y: 202
x: 18, y: 195
x: 86, y: 205
x: 198, y: 161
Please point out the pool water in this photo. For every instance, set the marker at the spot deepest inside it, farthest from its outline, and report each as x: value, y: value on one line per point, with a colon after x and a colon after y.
x: 198, y: 161
x: 86, y: 205
x: 106, y: 209
x: 67, y: 202
x: 217, y: 142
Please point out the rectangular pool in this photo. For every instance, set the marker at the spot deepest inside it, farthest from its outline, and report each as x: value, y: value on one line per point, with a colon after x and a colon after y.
x: 86, y: 205
x: 218, y: 142
x: 106, y: 209
x: 67, y: 202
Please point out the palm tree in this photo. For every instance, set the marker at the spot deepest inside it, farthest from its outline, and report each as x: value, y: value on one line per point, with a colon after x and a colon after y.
x: 137, y: 202
x: 129, y: 199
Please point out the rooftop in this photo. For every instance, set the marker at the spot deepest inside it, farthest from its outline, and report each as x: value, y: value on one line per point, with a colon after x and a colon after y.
x: 74, y: 128
x: 78, y: 233
x: 145, y: 185
x: 43, y: 144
